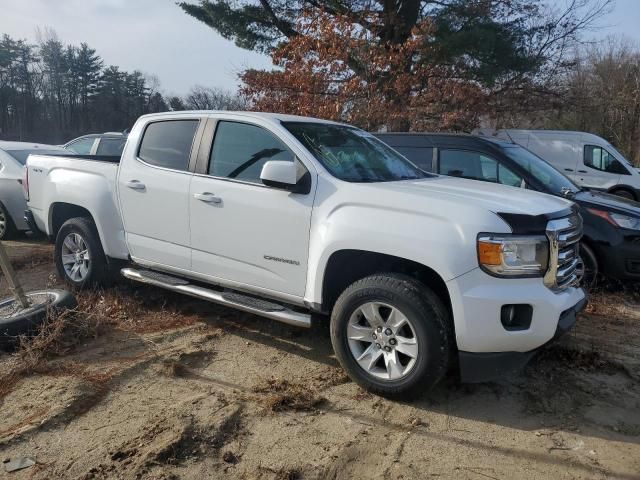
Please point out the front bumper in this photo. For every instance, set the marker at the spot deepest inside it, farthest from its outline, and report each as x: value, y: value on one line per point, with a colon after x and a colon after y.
x: 477, y: 299
x: 485, y: 367
x: 620, y: 258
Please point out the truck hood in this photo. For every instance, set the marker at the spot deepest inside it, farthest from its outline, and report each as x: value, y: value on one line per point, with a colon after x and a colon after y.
x: 490, y: 196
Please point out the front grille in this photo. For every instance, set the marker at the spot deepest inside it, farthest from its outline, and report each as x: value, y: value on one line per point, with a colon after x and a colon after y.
x: 564, y: 236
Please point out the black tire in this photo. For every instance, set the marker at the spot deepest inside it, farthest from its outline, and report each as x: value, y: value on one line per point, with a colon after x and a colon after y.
x: 97, y: 271
x: 26, y: 322
x: 7, y: 228
x: 624, y: 193
x: 589, y: 263
x: 430, y: 321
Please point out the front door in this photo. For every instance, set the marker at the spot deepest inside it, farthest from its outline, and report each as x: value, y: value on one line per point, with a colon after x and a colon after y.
x: 153, y: 188
x: 598, y: 170
x: 241, y: 230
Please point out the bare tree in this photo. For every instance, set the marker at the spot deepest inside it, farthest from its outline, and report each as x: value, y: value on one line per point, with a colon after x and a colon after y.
x: 207, y: 98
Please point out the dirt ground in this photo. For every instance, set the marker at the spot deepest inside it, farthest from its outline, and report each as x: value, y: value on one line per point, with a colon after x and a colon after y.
x: 141, y: 383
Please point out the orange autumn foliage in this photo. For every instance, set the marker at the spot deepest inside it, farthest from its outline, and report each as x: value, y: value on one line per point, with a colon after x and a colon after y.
x: 338, y: 70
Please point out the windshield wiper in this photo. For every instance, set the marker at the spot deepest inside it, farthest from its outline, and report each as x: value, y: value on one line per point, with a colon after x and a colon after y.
x: 567, y: 192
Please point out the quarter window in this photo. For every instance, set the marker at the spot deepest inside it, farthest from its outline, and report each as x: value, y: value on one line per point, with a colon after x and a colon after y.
x: 168, y: 144
x: 600, y: 159
x: 240, y: 150
x: 476, y: 166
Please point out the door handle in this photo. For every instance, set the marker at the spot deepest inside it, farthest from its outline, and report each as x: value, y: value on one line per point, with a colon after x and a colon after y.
x: 135, y: 185
x: 207, y: 197
x: 569, y: 169
x: 582, y: 171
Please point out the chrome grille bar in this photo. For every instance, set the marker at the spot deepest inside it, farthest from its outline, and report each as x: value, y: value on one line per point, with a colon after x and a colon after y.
x: 564, y: 235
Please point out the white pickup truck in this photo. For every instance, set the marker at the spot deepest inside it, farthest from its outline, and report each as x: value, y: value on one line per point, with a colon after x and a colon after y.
x: 290, y: 217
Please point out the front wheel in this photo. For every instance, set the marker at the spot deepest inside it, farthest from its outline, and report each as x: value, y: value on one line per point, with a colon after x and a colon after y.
x: 624, y: 193
x: 587, y: 268
x: 392, y: 335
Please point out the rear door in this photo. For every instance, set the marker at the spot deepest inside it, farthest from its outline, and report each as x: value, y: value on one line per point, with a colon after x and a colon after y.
x: 417, y: 148
x: 242, y: 231
x: 153, y: 189
x: 476, y: 165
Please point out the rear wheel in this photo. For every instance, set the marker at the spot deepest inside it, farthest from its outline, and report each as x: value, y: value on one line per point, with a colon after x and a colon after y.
x: 79, y: 256
x: 392, y: 335
x: 7, y: 229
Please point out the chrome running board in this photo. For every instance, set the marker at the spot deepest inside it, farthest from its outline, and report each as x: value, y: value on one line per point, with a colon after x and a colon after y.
x: 233, y: 299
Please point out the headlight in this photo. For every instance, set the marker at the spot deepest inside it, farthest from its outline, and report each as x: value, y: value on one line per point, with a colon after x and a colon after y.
x: 617, y: 219
x: 506, y: 255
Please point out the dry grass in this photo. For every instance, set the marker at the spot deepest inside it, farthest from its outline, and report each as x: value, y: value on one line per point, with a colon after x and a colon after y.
x: 281, y: 395
x: 59, y: 334
x: 138, y: 309
x: 36, y: 257
x: 615, y: 299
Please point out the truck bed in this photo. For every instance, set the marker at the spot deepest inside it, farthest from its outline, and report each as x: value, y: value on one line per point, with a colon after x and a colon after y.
x: 87, y: 180
x: 96, y: 158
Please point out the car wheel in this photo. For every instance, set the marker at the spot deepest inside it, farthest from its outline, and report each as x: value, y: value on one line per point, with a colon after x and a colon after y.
x: 16, y: 321
x: 7, y: 229
x: 624, y: 194
x: 79, y: 257
x: 392, y: 335
x: 587, y: 269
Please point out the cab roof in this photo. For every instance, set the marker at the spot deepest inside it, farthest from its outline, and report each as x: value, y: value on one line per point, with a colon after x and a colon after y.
x: 278, y: 117
x: 417, y: 139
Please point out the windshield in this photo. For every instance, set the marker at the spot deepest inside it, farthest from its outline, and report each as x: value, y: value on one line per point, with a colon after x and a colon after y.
x: 619, y: 156
x: 21, y: 155
x: 551, y: 178
x: 353, y: 155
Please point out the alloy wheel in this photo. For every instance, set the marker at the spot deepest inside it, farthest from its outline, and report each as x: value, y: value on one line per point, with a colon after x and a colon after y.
x: 382, y: 340
x: 76, y: 259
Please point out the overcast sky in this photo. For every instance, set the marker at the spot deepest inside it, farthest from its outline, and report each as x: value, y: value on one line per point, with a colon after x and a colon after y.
x: 157, y: 37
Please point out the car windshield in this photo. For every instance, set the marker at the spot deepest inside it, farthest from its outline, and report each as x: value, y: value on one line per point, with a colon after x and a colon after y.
x: 551, y: 178
x: 353, y: 155
x: 21, y: 155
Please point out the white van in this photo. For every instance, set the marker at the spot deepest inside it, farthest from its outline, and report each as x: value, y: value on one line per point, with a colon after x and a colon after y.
x: 590, y: 161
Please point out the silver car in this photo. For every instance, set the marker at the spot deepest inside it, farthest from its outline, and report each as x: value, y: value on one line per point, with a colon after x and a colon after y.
x: 13, y: 156
x: 109, y: 144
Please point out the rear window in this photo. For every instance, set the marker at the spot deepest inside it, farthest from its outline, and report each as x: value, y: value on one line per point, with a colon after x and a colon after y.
x: 168, y: 144
x: 112, y: 147
x: 21, y: 155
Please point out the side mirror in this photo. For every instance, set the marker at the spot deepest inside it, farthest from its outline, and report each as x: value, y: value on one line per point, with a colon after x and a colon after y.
x: 279, y: 174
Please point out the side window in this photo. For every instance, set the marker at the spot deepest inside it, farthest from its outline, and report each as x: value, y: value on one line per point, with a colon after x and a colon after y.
x: 476, y: 166
x: 168, y: 143
x: 600, y: 159
x: 240, y: 150
x: 112, y: 147
x: 420, y: 156
x: 82, y: 146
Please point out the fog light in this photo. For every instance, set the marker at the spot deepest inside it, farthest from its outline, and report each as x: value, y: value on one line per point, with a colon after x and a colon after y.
x: 516, y: 316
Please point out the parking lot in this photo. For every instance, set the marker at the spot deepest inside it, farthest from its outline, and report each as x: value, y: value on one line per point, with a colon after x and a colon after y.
x: 141, y: 383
